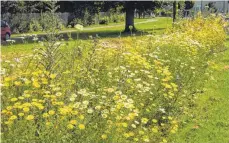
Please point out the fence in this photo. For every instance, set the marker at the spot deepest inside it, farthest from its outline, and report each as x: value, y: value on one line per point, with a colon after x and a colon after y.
x: 65, y: 17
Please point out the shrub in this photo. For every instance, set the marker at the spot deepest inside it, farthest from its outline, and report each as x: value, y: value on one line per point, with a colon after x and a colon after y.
x: 103, y: 21
x: 34, y: 25
x: 46, y: 19
x: 87, y: 18
x: 76, y: 21
x: 19, y: 23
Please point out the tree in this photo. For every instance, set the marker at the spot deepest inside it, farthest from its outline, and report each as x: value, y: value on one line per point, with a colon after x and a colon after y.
x: 183, y: 6
x: 79, y: 7
x: 131, y: 6
x: 174, y: 10
x: 187, y: 6
x: 14, y: 7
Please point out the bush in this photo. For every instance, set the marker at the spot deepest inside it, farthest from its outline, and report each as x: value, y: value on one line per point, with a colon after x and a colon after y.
x: 76, y: 21
x: 19, y: 23
x: 46, y: 19
x: 117, y: 18
x: 35, y: 25
x: 103, y: 21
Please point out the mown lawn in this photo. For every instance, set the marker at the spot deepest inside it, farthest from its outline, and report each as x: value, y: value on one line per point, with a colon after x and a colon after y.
x: 209, y: 120
x: 156, y: 25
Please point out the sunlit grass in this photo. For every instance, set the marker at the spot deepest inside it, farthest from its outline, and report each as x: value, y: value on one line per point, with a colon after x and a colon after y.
x: 208, y: 121
x: 118, y: 26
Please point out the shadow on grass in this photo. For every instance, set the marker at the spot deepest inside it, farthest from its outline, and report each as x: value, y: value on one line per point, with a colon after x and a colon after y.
x: 227, y: 39
x: 85, y: 35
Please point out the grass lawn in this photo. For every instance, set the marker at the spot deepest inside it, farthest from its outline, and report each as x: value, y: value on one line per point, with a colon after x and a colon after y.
x: 88, y: 27
x: 156, y: 25
x: 209, y: 122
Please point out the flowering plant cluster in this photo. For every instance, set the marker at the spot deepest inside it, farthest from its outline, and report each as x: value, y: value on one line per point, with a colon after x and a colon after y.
x: 116, y: 90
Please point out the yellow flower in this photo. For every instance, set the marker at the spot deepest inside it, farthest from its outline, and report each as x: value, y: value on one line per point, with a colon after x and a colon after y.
x: 104, y: 136
x: 167, y: 86
x: 36, y: 84
x: 27, y: 82
x: 51, y: 112
x: 4, y: 111
x: 34, y: 100
x: 26, y: 109
x: 136, y: 139
x: 20, y: 114
x: 74, y: 112
x: 116, y: 97
x: 13, y: 117
x: 159, y: 71
x: 170, y: 118
x: 30, y: 117
x: 73, y: 122
x: 81, y: 117
x: 7, y: 78
x: 154, y: 121
x: 9, y: 107
x: 141, y: 132
x: 9, y: 113
x: 146, y: 139
x: 173, y: 131
x: 6, y: 84
x: 164, y: 141
x: 40, y: 107
x: 21, y: 98
x: 131, y: 134
x: 48, y: 123
x: 8, y: 122
x: 154, y: 130
x: 45, y: 115
x: 52, y: 76
x: 174, y: 122
x: 27, y: 104
x: 27, y: 95
x: 44, y: 80
x: 13, y: 99
x: 81, y: 126
x: 70, y: 126
x: 144, y: 120
x: 104, y: 115
x: 17, y: 83
x: 126, y: 135
x: 124, y: 125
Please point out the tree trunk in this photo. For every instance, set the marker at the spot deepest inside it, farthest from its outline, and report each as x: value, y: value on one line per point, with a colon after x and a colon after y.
x: 174, y: 10
x: 129, y: 6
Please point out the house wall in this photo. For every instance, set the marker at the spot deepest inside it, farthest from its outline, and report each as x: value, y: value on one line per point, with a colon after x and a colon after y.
x: 221, y: 6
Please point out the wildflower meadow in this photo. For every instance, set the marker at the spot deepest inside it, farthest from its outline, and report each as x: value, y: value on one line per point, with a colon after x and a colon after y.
x: 130, y: 89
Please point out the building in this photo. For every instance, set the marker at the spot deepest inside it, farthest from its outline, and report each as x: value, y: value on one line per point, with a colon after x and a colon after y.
x: 220, y: 6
